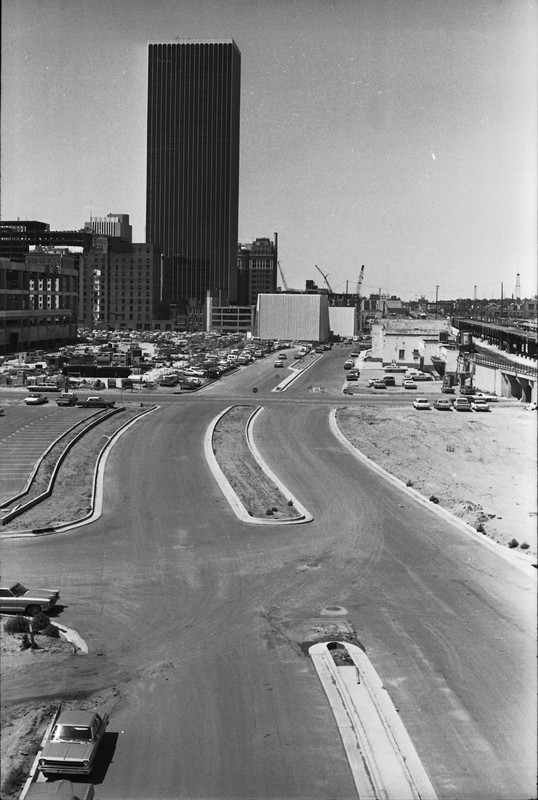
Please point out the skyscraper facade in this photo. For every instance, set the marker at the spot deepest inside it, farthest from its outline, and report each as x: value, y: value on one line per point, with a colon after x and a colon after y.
x: 193, y: 165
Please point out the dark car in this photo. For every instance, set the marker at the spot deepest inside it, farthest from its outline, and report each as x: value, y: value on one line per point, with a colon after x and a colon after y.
x: 95, y: 402
x: 73, y: 743
x: 389, y: 380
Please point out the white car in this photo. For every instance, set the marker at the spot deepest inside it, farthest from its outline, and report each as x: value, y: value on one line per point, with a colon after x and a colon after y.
x: 422, y: 403
x: 489, y: 398
x: 478, y: 404
x: 36, y: 400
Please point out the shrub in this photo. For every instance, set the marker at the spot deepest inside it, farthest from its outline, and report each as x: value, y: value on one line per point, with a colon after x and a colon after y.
x: 269, y: 512
x: 513, y: 543
x: 524, y: 546
x: 409, y: 482
x: 17, y: 624
x: 434, y: 499
x: 290, y: 503
x: 15, y: 780
x: 39, y: 622
x: 480, y: 528
x: 51, y: 631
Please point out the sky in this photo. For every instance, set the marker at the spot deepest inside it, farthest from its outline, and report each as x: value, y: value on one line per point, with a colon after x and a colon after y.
x: 398, y: 134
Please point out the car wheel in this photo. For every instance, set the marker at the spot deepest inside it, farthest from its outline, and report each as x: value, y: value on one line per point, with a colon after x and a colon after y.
x: 32, y: 611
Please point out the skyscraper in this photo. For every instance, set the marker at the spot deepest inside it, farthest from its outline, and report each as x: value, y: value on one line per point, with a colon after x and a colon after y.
x: 193, y: 165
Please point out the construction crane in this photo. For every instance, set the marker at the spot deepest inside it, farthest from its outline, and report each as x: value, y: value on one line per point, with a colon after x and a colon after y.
x: 282, y: 276
x: 324, y: 278
x: 359, y: 281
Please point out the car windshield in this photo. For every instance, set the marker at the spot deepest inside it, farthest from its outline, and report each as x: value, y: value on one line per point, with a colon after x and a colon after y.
x: 71, y: 733
x: 18, y: 589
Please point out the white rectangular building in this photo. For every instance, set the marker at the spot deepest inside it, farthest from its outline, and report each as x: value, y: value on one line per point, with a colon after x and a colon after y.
x: 300, y: 317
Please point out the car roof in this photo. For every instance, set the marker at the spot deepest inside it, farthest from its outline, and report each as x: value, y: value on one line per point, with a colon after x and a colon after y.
x: 76, y: 717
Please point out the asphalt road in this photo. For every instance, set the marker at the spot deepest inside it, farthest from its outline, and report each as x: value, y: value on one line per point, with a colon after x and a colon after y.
x: 198, y: 618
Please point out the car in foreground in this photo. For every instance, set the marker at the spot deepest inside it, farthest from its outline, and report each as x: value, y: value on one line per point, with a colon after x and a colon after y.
x: 60, y: 790
x: 443, y: 404
x: 2, y: 412
x: 352, y: 375
x: 389, y: 380
x: 478, y: 404
x: 279, y: 364
x: 422, y: 404
x: 36, y: 400
x: 73, y: 743
x: 462, y: 404
x: 95, y: 402
x: 409, y: 384
x: 17, y: 599
x: 349, y: 364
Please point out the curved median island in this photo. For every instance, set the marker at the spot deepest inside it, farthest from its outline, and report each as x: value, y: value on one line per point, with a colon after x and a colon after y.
x: 253, y: 491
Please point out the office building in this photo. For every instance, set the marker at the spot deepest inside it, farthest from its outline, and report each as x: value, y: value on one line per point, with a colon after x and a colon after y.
x: 116, y: 225
x: 38, y: 301
x: 257, y: 269
x: 193, y: 165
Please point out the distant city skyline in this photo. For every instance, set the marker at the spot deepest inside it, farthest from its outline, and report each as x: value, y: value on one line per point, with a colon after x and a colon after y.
x: 401, y: 136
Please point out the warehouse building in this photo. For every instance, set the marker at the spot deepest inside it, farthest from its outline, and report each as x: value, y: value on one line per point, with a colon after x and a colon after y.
x: 299, y: 317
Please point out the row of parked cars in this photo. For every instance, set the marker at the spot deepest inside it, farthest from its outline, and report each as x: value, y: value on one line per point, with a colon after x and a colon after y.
x: 452, y: 403
x: 69, y: 399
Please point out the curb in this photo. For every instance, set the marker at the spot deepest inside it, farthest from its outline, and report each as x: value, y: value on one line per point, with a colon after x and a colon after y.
x: 229, y: 493
x: 283, y: 385
x: 96, y: 502
x: 441, y: 512
x: 382, y: 757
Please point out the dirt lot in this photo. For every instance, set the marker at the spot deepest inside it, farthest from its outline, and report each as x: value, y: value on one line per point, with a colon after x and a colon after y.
x: 481, y: 467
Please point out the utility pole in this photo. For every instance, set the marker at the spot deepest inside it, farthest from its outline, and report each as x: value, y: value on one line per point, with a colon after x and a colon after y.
x: 436, y: 298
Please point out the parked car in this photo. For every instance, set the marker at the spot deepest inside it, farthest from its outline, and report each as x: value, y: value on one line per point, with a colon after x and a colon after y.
x: 448, y: 390
x: 352, y: 375
x: 349, y: 364
x: 60, y: 790
x: 67, y: 399
x: 466, y: 390
x: 489, y: 398
x: 282, y: 356
x: 394, y: 368
x: 409, y: 384
x: 478, y: 404
x: 389, y: 380
x: 279, y: 364
x: 379, y: 384
x: 36, y: 400
x: 443, y: 404
x: 422, y: 376
x: 17, y: 599
x: 2, y: 412
x: 462, y: 404
x: 95, y: 402
x: 422, y: 404
x: 73, y: 742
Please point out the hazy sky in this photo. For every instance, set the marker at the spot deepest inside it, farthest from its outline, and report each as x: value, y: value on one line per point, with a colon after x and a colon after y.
x: 398, y: 134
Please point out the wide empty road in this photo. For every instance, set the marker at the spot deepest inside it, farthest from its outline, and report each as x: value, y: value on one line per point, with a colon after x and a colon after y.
x: 198, y: 618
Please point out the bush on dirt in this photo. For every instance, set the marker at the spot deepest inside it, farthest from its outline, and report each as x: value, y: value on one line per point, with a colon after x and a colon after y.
x: 434, y: 499
x: 18, y: 624
x: 14, y: 781
x: 51, y: 631
x: 524, y: 546
x: 513, y: 543
x: 39, y: 622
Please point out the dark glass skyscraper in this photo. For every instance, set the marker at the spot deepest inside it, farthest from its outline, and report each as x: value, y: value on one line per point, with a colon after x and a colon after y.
x: 193, y: 164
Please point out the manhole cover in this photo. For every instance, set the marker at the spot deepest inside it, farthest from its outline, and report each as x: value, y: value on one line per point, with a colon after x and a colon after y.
x: 334, y: 610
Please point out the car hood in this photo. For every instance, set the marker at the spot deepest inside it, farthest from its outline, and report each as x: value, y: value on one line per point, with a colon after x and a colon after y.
x: 41, y: 593
x: 68, y: 751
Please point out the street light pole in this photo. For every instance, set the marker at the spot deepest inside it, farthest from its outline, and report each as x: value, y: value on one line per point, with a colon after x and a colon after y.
x: 436, y: 296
